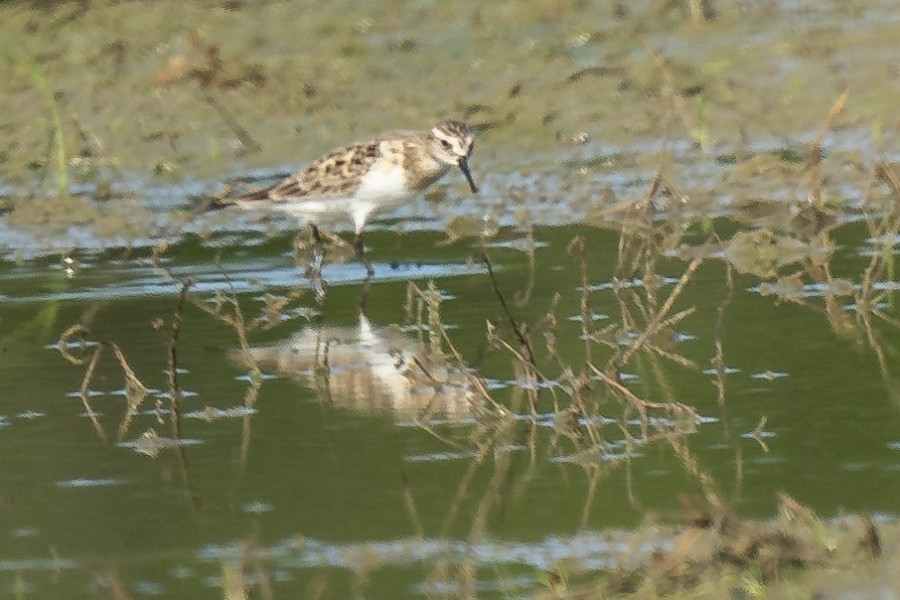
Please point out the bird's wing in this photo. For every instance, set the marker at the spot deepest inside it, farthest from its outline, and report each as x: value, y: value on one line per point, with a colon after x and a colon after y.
x: 336, y: 174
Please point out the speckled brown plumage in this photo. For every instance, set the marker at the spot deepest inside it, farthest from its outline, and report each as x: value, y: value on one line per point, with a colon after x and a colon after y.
x: 337, y: 173
x: 366, y: 176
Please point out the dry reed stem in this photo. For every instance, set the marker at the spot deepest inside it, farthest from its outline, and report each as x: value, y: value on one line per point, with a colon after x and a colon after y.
x: 886, y: 174
x: 174, y: 386
x: 63, y: 342
x: 522, y: 299
x: 443, y: 338
x: 250, y: 397
x: 692, y: 465
x: 110, y: 579
x: 235, y: 321
x: 490, y: 436
x: 233, y: 583
x: 655, y: 322
x: 126, y: 368
x: 641, y: 405
x: 85, y: 394
x: 670, y: 89
x: 587, y: 320
x: 814, y: 153
x: 135, y: 392
x: 409, y: 502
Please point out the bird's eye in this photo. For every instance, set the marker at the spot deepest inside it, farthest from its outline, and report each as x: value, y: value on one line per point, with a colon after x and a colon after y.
x: 445, y: 144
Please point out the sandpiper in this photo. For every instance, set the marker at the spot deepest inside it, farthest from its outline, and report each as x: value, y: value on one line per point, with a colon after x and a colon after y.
x: 366, y: 176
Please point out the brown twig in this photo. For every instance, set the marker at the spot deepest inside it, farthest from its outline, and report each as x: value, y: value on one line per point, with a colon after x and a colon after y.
x: 239, y: 131
x: 174, y: 387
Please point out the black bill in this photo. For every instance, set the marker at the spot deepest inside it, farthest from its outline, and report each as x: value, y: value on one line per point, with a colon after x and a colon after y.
x: 464, y: 167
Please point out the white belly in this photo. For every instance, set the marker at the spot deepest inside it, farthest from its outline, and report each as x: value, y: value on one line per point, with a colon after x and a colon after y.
x: 384, y: 183
x: 383, y: 186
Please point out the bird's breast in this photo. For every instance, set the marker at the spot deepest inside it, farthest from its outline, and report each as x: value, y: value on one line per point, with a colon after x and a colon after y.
x: 385, y: 180
x: 423, y: 170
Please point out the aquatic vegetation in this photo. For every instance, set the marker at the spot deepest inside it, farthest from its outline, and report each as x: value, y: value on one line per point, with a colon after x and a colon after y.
x: 655, y: 357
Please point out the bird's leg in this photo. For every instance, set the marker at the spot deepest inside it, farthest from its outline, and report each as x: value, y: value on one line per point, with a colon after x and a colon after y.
x: 361, y: 255
x: 315, y: 265
x: 314, y: 268
x: 317, y: 236
x: 364, y: 295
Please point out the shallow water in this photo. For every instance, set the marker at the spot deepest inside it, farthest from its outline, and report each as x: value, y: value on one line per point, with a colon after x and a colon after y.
x: 394, y: 439
x: 341, y: 467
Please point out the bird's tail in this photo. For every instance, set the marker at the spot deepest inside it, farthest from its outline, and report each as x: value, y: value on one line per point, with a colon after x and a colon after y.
x: 260, y: 194
x: 214, y: 203
x: 224, y: 199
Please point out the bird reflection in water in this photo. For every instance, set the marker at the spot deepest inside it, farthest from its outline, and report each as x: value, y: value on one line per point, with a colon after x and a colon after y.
x: 370, y: 368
